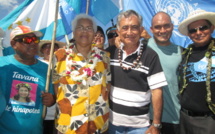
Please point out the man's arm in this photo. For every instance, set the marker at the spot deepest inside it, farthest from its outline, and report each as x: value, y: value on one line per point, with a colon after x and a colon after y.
x: 157, y: 105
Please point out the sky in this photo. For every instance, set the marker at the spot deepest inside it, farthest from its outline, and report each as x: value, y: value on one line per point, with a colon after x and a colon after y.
x: 6, y: 6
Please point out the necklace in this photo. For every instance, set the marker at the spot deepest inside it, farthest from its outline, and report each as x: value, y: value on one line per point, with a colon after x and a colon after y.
x: 136, y: 62
x: 80, y: 71
x: 208, y: 55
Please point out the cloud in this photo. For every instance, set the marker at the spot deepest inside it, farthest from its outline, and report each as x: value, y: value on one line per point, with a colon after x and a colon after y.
x: 8, y: 4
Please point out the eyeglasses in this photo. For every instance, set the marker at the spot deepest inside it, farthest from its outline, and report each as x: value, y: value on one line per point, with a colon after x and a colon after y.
x: 28, y: 40
x: 111, y: 35
x: 201, y: 28
x: 87, y: 29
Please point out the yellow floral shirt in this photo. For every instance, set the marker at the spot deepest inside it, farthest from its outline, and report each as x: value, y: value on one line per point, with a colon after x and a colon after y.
x: 82, y: 96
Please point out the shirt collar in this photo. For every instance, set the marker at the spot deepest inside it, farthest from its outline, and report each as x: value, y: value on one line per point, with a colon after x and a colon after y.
x: 137, y: 51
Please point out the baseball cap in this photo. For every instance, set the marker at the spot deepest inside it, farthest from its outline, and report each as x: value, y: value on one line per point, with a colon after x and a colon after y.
x: 22, y: 30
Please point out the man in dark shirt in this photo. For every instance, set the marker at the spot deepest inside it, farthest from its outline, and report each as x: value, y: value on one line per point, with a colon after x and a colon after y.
x: 197, y: 75
x: 136, y: 78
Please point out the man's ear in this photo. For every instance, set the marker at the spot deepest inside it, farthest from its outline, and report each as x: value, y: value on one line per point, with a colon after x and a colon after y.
x: 141, y: 29
x: 151, y: 29
x: 117, y: 31
x: 12, y: 43
x: 212, y: 28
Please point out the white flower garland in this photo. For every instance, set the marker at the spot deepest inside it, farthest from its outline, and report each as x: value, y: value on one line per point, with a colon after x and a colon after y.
x: 89, y: 67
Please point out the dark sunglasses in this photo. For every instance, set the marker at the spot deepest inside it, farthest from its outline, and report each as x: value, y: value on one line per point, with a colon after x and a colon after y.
x: 111, y: 35
x: 28, y: 40
x: 201, y: 28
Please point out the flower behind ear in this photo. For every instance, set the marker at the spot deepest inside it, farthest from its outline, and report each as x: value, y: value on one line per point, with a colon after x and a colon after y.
x: 23, y: 85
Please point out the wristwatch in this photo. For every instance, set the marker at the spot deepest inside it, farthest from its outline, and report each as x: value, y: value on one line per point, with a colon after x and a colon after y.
x: 159, y: 126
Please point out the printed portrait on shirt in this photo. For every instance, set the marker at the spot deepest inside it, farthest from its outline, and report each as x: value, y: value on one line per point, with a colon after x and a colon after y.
x: 23, y: 93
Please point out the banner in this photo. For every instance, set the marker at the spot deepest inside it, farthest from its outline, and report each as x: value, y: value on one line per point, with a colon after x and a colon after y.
x: 177, y: 9
x: 40, y: 16
x: 104, y: 10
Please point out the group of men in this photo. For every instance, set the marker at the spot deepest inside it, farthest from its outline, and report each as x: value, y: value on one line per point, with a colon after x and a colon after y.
x: 134, y: 91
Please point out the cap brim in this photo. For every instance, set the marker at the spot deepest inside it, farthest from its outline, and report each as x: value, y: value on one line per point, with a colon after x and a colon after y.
x: 37, y: 33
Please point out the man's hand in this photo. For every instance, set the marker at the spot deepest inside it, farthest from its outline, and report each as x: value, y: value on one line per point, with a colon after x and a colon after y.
x: 152, y: 130
x: 48, y: 99
x: 117, y: 42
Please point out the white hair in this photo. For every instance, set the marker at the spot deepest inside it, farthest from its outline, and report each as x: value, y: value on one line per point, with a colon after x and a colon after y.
x: 127, y: 14
x: 83, y: 16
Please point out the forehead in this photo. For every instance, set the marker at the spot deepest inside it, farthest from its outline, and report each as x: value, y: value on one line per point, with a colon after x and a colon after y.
x: 99, y: 32
x: 161, y: 18
x: 197, y: 23
x: 84, y: 22
x: 131, y: 20
x: 23, y: 88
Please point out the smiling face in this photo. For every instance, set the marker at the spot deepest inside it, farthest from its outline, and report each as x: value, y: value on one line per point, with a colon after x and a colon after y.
x: 202, y: 36
x: 46, y: 48
x: 162, y: 29
x: 23, y: 92
x: 129, y: 30
x: 23, y: 49
x: 84, y: 33
x: 99, y: 39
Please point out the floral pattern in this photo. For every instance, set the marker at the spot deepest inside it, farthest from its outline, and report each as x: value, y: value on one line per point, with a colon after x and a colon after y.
x: 83, y: 89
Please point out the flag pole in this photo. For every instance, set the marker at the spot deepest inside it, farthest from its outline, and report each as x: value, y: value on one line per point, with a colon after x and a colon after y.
x: 67, y: 41
x: 87, y: 6
x: 51, y: 55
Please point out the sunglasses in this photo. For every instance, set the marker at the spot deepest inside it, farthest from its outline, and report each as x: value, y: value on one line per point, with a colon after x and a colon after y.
x: 201, y: 28
x: 111, y: 35
x: 28, y: 40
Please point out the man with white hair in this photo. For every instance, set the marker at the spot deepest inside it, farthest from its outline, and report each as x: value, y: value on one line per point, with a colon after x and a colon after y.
x: 137, y: 80
x: 197, y: 81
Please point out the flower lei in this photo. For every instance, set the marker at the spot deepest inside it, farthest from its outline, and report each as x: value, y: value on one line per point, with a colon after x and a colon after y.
x: 80, y: 73
x: 23, y: 85
x: 136, y: 62
x: 208, y: 55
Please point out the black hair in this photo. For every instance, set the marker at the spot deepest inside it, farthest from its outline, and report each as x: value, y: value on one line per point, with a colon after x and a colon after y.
x: 101, y: 30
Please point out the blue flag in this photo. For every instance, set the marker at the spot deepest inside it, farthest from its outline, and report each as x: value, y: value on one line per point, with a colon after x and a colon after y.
x: 177, y: 9
x: 67, y: 14
x: 40, y: 16
x: 104, y: 10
